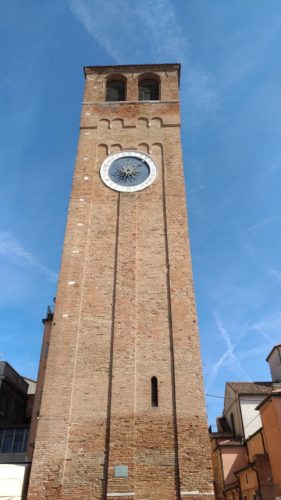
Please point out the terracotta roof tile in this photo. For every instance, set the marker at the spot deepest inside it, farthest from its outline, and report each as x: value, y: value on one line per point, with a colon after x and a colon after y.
x: 251, y: 387
x: 232, y: 442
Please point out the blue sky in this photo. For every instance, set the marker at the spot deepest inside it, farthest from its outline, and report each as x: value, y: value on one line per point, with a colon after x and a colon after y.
x: 231, y: 133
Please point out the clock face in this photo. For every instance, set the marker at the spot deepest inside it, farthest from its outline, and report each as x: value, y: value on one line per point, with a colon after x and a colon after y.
x: 128, y: 171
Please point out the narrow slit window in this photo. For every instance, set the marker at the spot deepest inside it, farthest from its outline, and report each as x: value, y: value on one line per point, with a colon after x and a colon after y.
x: 154, y: 392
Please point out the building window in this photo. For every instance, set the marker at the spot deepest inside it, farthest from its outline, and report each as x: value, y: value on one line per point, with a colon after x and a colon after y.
x: 149, y: 90
x: 14, y: 440
x: 154, y: 392
x: 116, y: 90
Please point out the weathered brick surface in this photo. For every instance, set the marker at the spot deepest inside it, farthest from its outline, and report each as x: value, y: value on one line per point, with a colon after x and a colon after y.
x: 129, y: 315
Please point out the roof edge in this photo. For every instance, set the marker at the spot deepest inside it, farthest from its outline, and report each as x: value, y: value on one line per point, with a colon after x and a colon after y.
x: 268, y: 398
x: 149, y: 65
x: 254, y: 434
x: 248, y: 466
x: 244, y: 391
x: 278, y: 347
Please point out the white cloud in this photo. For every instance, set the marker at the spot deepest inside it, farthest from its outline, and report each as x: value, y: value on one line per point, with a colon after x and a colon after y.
x: 7, y: 82
x: 275, y: 274
x: 269, y: 328
x: 12, y: 251
x: 263, y: 223
x: 229, y: 358
x: 142, y: 24
x: 255, y: 351
x: 144, y: 31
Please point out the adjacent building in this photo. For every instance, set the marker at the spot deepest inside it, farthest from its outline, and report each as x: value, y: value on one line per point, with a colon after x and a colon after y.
x: 13, y: 396
x: 16, y: 400
x: 240, y: 402
x: 246, y: 449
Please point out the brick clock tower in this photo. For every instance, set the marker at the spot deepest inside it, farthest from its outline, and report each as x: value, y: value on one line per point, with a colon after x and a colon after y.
x: 122, y: 412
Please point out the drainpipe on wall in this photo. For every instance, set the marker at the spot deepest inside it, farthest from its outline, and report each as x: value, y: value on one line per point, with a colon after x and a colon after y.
x: 239, y: 493
x: 258, y: 478
x: 239, y: 490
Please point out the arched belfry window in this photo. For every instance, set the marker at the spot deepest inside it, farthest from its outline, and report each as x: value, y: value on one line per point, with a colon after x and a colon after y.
x: 115, y: 90
x: 149, y: 89
x: 154, y: 391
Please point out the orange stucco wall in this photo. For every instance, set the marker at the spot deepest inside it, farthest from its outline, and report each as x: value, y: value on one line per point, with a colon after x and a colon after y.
x: 255, y: 446
x: 271, y: 419
x: 248, y: 481
x: 232, y: 494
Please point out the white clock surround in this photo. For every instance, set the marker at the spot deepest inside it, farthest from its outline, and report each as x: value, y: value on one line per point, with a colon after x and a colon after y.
x: 108, y: 181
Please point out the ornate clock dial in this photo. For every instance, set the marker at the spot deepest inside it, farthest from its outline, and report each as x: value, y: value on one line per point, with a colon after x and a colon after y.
x: 128, y: 171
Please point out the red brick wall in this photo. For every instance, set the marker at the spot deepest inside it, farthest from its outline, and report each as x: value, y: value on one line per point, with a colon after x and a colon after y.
x: 125, y: 312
